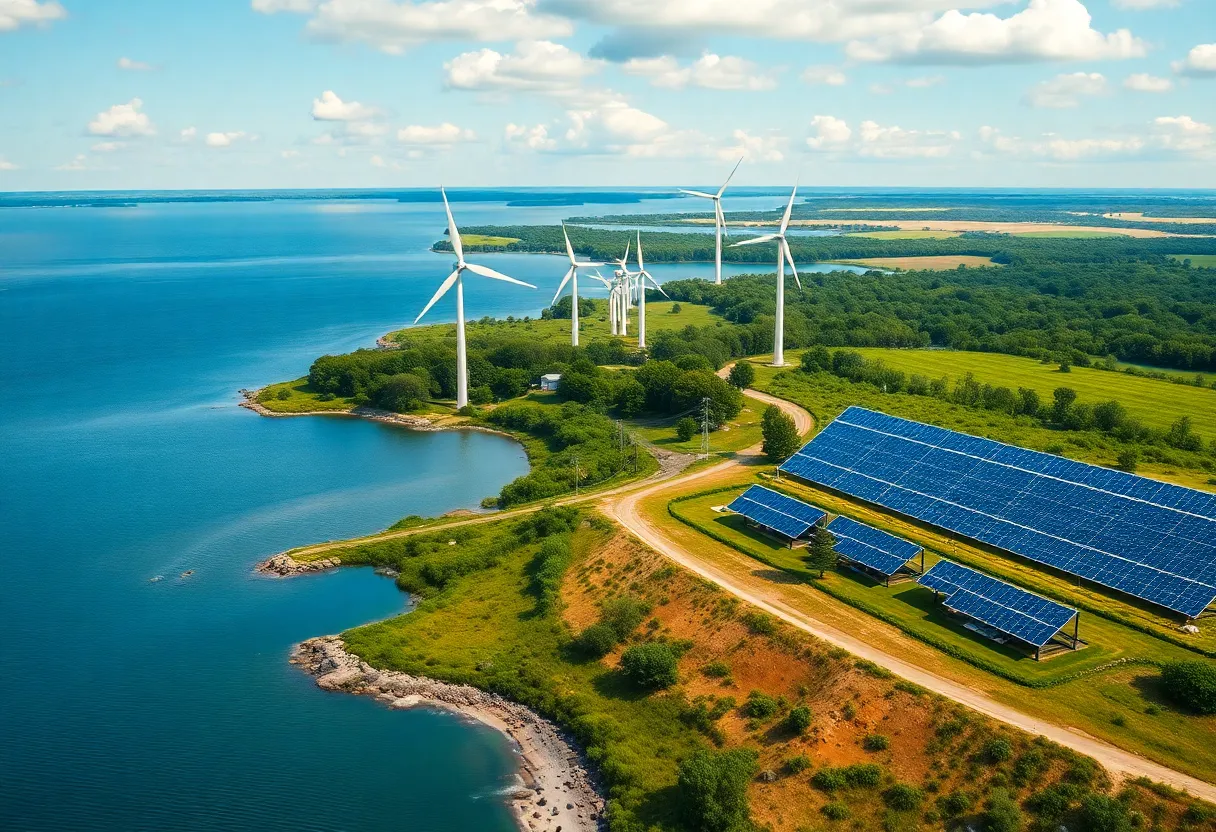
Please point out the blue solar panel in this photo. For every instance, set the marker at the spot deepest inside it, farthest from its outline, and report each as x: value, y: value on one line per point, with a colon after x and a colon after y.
x: 778, y: 512
x: 1002, y: 606
x: 882, y: 552
x: 1149, y: 539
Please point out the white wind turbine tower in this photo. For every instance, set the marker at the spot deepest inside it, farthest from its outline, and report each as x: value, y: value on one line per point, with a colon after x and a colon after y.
x: 456, y: 277
x: 572, y: 275
x: 783, y: 254
x: 719, y: 219
x: 618, y: 298
x: 642, y: 277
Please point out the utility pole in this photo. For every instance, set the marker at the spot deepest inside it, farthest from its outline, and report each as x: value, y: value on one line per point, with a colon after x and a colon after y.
x: 705, y: 428
x: 576, y: 476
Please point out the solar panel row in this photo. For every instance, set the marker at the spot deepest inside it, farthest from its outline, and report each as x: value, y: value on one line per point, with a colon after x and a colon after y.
x: 1002, y: 606
x: 1075, y: 517
x: 871, y: 547
x: 790, y: 517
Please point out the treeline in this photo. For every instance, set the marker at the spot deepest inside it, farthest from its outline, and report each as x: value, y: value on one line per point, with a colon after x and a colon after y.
x: 664, y: 388
x: 1063, y: 410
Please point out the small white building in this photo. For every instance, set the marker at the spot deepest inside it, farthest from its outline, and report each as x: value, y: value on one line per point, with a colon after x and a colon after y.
x: 549, y: 381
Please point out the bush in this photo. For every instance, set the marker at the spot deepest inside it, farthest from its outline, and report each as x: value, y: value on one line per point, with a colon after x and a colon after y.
x: 955, y: 804
x: 760, y: 705
x: 759, y: 623
x: 650, y: 666
x: 863, y: 775
x: 1191, y: 684
x: 1100, y: 813
x: 713, y: 789
x: 799, y: 720
x: 835, y: 811
x: 997, y: 750
x: 903, y: 798
x: 686, y: 428
x: 797, y: 765
x: 1002, y: 813
x: 1054, y: 802
x: 716, y: 670
x: 742, y: 375
x: 876, y: 742
x: 623, y: 615
x: 597, y: 640
x: 829, y: 779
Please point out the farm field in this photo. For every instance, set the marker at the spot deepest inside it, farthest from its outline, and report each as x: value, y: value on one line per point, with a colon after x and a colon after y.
x: 1202, y: 261
x: 1154, y: 402
x: 943, y: 262
x: 486, y: 240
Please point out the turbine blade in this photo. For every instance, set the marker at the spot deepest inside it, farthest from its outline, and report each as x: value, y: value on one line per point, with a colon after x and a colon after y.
x: 562, y: 285
x: 453, y: 231
x: 732, y: 174
x: 569, y: 249
x: 443, y: 289
x: 485, y: 271
x: 767, y: 238
x: 655, y: 283
x: 641, y: 266
x: 721, y: 218
x: 789, y: 257
x: 585, y: 263
x: 601, y: 279
x: 701, y: 194
x: 785, y: 220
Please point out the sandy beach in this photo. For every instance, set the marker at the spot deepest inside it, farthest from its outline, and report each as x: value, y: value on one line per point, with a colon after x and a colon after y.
x: 556, y: 792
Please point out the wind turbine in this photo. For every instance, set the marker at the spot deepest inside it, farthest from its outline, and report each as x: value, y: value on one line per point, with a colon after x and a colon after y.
x: 456, y: 278
x: 618, y: 300
x: 642, y: 277
x: 572, y: 274
x: 783, y: 254
x: 719, y: 219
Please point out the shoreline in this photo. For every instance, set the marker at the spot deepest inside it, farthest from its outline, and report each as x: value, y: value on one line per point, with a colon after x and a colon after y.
x: 556, y: 790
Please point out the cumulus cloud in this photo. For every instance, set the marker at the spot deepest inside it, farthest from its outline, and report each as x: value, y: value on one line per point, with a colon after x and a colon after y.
x: 187, y: 134
x: 829, y: 133
x: 79, y: 162
x: 828, y: 76
x: 329, y: 107
x: 1184, y: 134
x: 124, y: 120
x: 1200, y: 62
x: 715, y: 72
x: 1141, y: 5
x: 443, y: 134
x: 1143, y: 82
x: 224, y: 139
x: 1065, y: 91
x: 133, y: 65
x: 1180, y: 135
x: 535, y: 137
x: 536, y: 65
x: 897, y: 143
x: 769, y: 148
x: 394, y: 27
x: 16, y: 13
x: 1046, y: 30
x: 5, y: 164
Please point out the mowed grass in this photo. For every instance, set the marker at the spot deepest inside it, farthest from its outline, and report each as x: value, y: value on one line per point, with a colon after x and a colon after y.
x: 906, y: 235
x: 742, y: 432
x: 487, y: 240
x: 298, y: 397
x: 1154, y: 402
x: 934, y: 263
x: 1199, y: 261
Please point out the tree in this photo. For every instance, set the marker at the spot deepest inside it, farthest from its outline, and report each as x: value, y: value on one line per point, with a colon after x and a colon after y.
x: 686, y: 428
x: 742, y: 375
x: 597, y: 640
x: 400, y: 392
x: 1128, y: 460
x: 1063, y: 399
x: 1109, y: 415
x: 780, y: 434
x: 1002, y: 813
x: 1181, y: 436
x: 1100, y: 813
x: 713, y: 790
x: 821, y: 553
x: 577, y: 387
x: 651, y: 666
x: 630, y: 398
x: 799, y: 720
x: 1191, y: 684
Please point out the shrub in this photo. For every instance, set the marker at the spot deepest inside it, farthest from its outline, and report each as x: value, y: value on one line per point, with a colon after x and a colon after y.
x: 903, y: 798
x: 876, y: 742
x: 863, y: 775
x: 1191, y: 684
x: 651, y: 666
x: 1053, y: 803
x: 760, y: 705
x: 955, y: 804
x: 686, y: 428
x: 1029, y: 767
x: 597, y: 640
x: 713, y: 789
x: 829, y: 779
x: 997, y: 750
x: 1100, y: 813
x: 623, y: 615
x: 799, y: 720
x: 797, y: 765
x: 716, y: 670
x: 759, y: 623
x: 835, y: 811
x: 1002, y: 813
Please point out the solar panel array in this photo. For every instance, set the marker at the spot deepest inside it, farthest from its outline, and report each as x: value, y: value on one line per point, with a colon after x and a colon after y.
x: 1002, y: 606
x: 1149, y: 539
x: 882, y: 552
x: 778, y: 512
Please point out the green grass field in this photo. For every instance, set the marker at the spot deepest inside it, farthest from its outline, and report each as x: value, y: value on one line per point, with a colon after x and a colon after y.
x: 299, y: 398
x: 486, y: 240
x: 741, y: 433
x: 1199, y: 261
x: 1152, y: 401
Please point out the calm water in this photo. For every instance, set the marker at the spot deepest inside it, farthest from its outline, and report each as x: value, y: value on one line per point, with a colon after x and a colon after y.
x: 124, y: 336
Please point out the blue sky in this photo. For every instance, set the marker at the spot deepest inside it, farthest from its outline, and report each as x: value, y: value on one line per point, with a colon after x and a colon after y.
x: 393, y: 93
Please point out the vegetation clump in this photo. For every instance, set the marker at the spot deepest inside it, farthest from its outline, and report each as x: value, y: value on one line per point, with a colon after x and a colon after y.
x: 1191, y: 684
x: 780, y: 434
x: 651, y: 666
x: 713, y: 790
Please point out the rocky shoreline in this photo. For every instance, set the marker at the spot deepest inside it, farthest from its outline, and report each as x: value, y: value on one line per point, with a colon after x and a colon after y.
x: 412, y: 422
x: 284, y: 565
x: 557, y: 792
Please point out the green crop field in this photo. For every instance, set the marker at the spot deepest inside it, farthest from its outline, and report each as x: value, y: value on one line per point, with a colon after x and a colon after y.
x: 1152, y: 401
x: 485, y: 240
x: 1199, y: 261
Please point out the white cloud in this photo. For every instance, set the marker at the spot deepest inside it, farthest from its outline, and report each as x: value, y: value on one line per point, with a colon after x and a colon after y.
x: 534, y: 138
x: 15, y: 13
x: 187, y: 134
x: 1066, y: 91
x: 1140, y: 5
x: 1199, y: 62
x: 377, y: 162
x: 756, y: 148
x: 1143, y: 82
x: 108, y: 147
x: 329, y: 107
x: 133, y: 65
x: 830, y: 133
x: 79, y: 162
x: 537, y: 65
x: 828, y: 76
x: 5, y: 164
x: 925, y: 82
x: 290, y: 154
x: 393, y: 27
x: 123, y: 120
x: 1046, y: 30
x: 224, y: 139
x: 1059, y: 149
x: 443, y: 134
x: 897, y: 143
x: 1184, y: 135
x: 710, y: 71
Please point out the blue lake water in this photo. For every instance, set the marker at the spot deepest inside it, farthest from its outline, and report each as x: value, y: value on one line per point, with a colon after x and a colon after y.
x: 125, y: 334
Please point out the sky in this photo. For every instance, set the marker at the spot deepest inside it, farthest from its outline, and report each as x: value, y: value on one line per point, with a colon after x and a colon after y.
x: 135, y: 94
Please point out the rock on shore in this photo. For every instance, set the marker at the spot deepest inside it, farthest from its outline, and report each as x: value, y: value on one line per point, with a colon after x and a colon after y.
x: 284, y: 565
x: 556, y: 789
